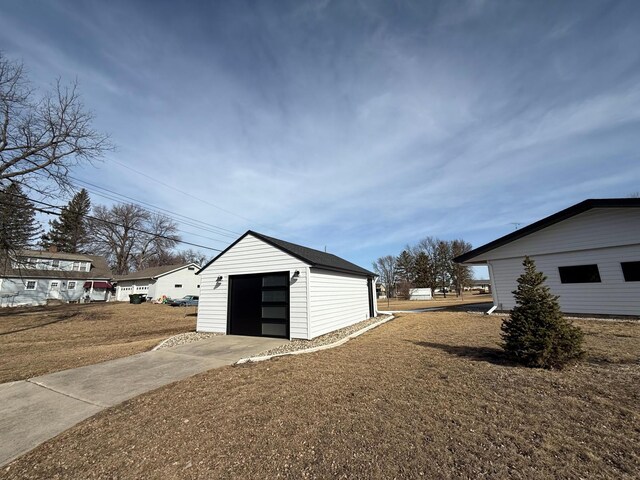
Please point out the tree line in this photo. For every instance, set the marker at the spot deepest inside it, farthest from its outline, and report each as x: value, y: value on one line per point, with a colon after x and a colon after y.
x: 130, y: 237
x: 427, y: 264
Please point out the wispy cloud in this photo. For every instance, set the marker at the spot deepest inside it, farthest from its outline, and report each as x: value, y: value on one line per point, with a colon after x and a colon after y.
x: 357, y: 125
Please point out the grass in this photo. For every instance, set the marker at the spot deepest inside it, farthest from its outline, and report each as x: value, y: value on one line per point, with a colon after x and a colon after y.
x: 39, y: 340
x: 426, y: 395
x: 438, y: 301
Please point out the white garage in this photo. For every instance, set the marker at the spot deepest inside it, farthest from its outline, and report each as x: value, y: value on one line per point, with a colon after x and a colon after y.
x: 262, y: 286
x: 172, y: 281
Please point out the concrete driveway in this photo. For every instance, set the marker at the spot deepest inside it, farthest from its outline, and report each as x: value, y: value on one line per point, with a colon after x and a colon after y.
x: 35, y: 410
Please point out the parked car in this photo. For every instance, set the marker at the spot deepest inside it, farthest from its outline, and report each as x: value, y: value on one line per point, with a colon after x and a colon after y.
x: 188, y: 301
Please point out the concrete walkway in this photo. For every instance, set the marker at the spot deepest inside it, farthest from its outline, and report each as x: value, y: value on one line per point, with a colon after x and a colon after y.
x: 35, y: 410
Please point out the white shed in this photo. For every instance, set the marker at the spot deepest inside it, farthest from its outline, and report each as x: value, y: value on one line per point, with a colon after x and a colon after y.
x: 173, y: 281
x: 262, y: 286
x: 590, y: 254
x: 420, y: 294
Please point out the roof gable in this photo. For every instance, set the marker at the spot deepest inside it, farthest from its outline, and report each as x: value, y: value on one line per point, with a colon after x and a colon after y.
x: 550, y: 221
x: 312, y: 257
x: 155, y: 272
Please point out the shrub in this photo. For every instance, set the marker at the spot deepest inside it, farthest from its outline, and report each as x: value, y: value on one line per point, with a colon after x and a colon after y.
x: 536, y: 334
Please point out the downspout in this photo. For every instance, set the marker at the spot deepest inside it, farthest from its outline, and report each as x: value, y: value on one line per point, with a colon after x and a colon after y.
x: 308, y: 280
x: 494, y: 290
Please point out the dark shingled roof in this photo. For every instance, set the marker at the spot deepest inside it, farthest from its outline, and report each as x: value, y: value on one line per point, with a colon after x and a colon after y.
x: 314, y: 258
x: 151, y: 272
x: 572, y: 211
x: 99, y: 268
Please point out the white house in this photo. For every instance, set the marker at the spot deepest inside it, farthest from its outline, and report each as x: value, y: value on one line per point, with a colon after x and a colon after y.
x: 262, y: 286
x: 590, y: 253
x: 420, y: 294
x: 34, y: 277
x: 173, y: 281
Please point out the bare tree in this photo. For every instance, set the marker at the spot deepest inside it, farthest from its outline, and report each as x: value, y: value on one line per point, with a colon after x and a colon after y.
x: 385, y: 267
x: 43, y: 136
x: 130, y: 236
x: 179, y: 258
x: 426, y: 255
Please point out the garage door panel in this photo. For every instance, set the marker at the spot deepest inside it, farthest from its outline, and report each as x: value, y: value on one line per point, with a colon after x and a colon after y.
x: 259, y: 305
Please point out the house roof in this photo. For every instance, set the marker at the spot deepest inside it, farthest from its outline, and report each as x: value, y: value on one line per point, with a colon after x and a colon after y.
x: 314, y: 258
x: 154, y: 272
x: 99, y: 268
x: 558, y: 217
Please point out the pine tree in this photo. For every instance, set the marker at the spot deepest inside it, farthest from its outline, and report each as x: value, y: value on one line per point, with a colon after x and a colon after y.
x: 69, y: 233
x: 536, y: 334
x: 405, y: 266
x: 18, y: 226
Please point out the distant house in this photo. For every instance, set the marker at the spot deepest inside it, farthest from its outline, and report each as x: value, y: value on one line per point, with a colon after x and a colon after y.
x: 35, y: 277
x: 590, y: 253
x: 173, y: 281
x: 263, y: 286
x: 481, y: 284
x: 420, y: 294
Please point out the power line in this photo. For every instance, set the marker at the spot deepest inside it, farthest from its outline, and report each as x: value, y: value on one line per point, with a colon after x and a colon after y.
x: 178, y: 220
x: 42, y: 210
x: 224, y: 231
x: 188, y: 194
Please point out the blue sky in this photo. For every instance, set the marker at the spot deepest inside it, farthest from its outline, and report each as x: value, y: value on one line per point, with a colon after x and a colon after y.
x: 359, y: 126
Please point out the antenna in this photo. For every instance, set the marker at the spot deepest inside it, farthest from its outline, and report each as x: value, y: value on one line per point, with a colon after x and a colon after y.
x: 325, y: 249
x: 516, y: 225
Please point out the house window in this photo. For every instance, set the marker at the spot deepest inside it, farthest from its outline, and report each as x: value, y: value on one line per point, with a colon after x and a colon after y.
x: 76, y: 266
x: 31, y: 285
x: 71, y: 286
x: 55, y: 263
x: 177, y: 285
x: 580, y: 274
x: 631, y: 271
x: 87, y: 266
x: 190, y: 268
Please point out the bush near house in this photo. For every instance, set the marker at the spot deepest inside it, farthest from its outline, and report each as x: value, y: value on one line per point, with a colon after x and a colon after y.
x: 536, y: 334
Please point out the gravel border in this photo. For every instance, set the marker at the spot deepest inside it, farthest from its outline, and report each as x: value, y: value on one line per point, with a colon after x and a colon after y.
x: 184, y: 338
x: 329, y: 340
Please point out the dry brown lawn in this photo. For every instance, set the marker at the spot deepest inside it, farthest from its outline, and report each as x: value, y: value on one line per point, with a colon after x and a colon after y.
x: 39, y: 340
x: 438, y: 301
x: 425, y: 395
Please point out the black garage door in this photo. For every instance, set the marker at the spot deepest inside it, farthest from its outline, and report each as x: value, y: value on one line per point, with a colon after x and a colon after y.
x: 259, y: 305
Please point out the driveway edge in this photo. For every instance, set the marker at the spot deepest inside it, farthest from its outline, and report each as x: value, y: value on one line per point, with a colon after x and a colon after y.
x: 318, y: 348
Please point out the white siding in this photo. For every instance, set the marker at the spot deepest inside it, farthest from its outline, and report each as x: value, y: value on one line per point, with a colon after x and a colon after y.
x: 166, y: 285
x: 14, y: 293
x: 596, y: 228
x: 612, y: 296
x: 129, y: 287
x: 337, y: 300
x: 250, y: 255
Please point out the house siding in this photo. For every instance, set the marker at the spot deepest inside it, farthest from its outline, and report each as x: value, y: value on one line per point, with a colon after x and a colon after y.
x: 250, y: 255
x: 593, y: 229
x: 612, y: 296
x: 13, y: 291
x: 165, y: 285
x: 336, y: 300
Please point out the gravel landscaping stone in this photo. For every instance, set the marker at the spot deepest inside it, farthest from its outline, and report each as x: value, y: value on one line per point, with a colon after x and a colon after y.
x: 327, y: 339
x: 185, y: 338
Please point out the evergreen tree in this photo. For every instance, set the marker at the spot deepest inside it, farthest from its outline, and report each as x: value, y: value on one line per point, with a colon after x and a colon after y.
x: 405, y: 266
x: 536, y: 334
x: 69, y: 233
x: 18, y: 226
